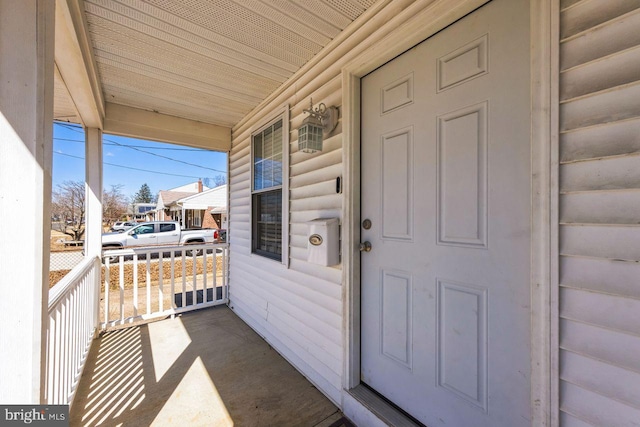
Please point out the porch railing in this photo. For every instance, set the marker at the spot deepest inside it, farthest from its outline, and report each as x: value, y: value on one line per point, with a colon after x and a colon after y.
x: 73, y: 319
x: 147, y: 283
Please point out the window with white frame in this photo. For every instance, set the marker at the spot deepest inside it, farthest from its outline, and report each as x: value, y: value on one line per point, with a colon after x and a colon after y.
x: 267, y: 147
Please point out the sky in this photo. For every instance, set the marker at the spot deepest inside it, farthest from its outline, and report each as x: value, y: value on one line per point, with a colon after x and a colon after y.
x: 133, y: 162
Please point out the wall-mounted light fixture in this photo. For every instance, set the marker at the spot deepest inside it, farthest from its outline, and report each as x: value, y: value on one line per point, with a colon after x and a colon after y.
x: 320, y: 123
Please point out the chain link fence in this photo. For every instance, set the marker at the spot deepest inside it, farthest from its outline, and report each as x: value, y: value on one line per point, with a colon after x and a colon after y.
x: 65, y: 260
x: 64, y: 255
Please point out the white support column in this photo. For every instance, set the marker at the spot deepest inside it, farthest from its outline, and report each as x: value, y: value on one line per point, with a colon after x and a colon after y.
x: 93, y: 189
x: 26, y: 128
x: 93, y: 203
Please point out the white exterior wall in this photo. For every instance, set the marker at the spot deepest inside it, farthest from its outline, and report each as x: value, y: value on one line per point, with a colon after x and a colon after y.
x: 214, y: 197
x: 299, y: 309
x: 599, y: 295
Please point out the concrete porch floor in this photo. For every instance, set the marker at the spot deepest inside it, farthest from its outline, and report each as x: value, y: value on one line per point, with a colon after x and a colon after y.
x: 205, y: 368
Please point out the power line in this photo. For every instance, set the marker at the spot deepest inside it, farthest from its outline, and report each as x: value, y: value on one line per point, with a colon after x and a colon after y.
x: 169, y: 158
x: 137, y: 146
x: 129, y: 167
x: 73, y: 128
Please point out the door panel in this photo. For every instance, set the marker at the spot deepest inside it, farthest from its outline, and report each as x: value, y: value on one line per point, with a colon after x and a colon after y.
x: 397, y: 185
x: 446, y: 184
x: 462, y: 176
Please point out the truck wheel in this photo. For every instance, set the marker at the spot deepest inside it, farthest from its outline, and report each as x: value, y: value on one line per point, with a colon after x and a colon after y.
x: 192, y: 252
x: 114, y: 258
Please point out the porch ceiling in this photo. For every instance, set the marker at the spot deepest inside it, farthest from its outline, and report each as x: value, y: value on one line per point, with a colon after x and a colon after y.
x: 210, y: 61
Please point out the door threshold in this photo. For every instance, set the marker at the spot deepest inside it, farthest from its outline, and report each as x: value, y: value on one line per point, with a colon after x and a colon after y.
x: 381, y: 408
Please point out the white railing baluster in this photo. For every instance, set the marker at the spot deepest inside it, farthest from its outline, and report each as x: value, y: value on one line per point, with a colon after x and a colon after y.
x: 160, y: 283
x: 184, y: 280
x: 74, y: 309
x: 173, y: 280
x: 107, y: 281
x: 71, y: 323
x: 148, y: 284
x: 64, y: 346
x: 71, y: 327
x: 135, y: 285
x: 194, y: 270
x: 55, y: 321
x: 225, y: 273
x: 205, y: 291
x: 130, y: 308
x: 58, y: 353
x: 51, y: 362
x: 215, y: 275
x: 121, y: 285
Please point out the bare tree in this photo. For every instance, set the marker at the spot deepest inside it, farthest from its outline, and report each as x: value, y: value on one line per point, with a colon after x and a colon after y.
x: 220, y: 180
x: 114, y: 204
x: 68, y: 207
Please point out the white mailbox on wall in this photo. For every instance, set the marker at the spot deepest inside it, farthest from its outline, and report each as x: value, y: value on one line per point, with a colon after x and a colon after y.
x: 324, y: 241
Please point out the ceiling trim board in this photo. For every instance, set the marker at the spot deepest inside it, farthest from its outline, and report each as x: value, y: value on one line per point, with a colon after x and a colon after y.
x: 136, y: 123
x: 76, y: 64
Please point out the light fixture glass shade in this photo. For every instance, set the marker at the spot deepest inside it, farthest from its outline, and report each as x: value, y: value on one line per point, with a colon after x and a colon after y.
x: 310, y: 135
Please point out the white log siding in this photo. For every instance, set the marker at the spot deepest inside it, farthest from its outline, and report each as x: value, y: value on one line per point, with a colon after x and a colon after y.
x: 299, y: 309
x: 600, y: 213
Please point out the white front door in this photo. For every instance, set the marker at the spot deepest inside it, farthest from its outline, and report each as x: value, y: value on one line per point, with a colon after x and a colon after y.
x: 446, y: 180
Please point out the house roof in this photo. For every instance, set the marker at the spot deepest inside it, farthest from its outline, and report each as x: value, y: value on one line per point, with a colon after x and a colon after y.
x: 191, y: 187
x: 207, y: 63
x: 213, y: 198
x: 168, y: 198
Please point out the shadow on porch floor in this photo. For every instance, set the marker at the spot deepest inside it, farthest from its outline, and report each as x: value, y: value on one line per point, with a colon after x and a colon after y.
x: 205, y: 368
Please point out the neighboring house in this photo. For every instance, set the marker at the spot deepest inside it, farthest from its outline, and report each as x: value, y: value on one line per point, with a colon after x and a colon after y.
x: 192, y: 187
x: 484, y: 173
x: 141, y: 212
x: 220, y: 216
x: 197, y: 209
x: 167, y: 207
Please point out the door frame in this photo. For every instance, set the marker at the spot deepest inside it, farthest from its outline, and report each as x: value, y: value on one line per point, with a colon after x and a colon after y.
x: 415, y: 24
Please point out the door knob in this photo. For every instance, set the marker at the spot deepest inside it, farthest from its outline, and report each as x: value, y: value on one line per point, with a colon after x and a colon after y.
x: 365, y: 247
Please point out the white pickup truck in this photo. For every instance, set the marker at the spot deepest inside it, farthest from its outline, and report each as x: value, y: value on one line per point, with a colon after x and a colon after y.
x: 158, y: 233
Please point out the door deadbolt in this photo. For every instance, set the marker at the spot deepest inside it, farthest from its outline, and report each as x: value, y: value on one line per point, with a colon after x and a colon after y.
x: 366, y: 224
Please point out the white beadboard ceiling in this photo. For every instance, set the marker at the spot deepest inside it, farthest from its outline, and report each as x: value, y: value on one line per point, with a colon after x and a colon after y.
x: 206, y: 60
